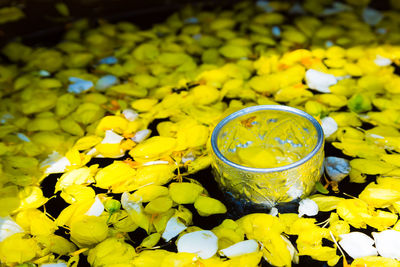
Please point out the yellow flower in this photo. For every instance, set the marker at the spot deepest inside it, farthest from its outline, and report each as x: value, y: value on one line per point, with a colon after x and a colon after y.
x: 184, y: 193
x: 76, y: 211
x: 114, y: 175
x: 111, y: 251
x: 267, y: 229
x: 9, y: 199
x: 18, y: 248
x: 228, y: 233
x: 149, y: 192
x: 135, y: 211
x: 56, y: 244
x: 383, y: 194
x: 207, y: 206
x: 151, y: 258
x: 116, y: 123
x: 79, y: 176
x: 354, y: 211
x: 77, y: 193
x: 326, y: 203
x: 89, y: 230
x: 153, y: 148
x: 31, y: 197
x: 35, y: 222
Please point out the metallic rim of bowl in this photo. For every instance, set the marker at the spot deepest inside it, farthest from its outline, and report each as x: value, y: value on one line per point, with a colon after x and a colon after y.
x: 252, y: 109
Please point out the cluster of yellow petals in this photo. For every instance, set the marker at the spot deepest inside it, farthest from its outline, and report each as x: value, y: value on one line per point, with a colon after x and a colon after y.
x: 151, y: 112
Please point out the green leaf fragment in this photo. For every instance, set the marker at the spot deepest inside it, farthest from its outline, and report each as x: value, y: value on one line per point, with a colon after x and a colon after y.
x: 320, y: 188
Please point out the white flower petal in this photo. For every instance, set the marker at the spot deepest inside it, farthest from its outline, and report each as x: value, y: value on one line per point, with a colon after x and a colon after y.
x: 56, y: 163
x: 336, y: 168
x: 382, y: 61
x: 105, y: 82
x: 128, y: 204
x: 376, y: 136
x: 141, y: 135
x: 60, y: 264
x: 240, y: 248
x: 156, y: 162
x: 23, y: 137
x: 329, y: 126
x: 320, y: 81
x: 174, y: 227
x: 112, y: 138
x: 204, y: 243
x: 358, y: 245
x: 8, y: 227
x: 371, y: 16
x: 96, y: 209
x: 274, y: 211
x: 92, y: 151
x: 388, y: 243
x: 130, y: 114
x: 308, y: 207
x: 188, y: 157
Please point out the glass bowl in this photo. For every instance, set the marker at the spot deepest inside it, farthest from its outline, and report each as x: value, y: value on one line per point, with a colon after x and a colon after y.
x: 267, y: 155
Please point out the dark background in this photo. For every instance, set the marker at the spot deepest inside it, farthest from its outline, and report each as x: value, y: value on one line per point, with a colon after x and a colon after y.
x: 43, y: 24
